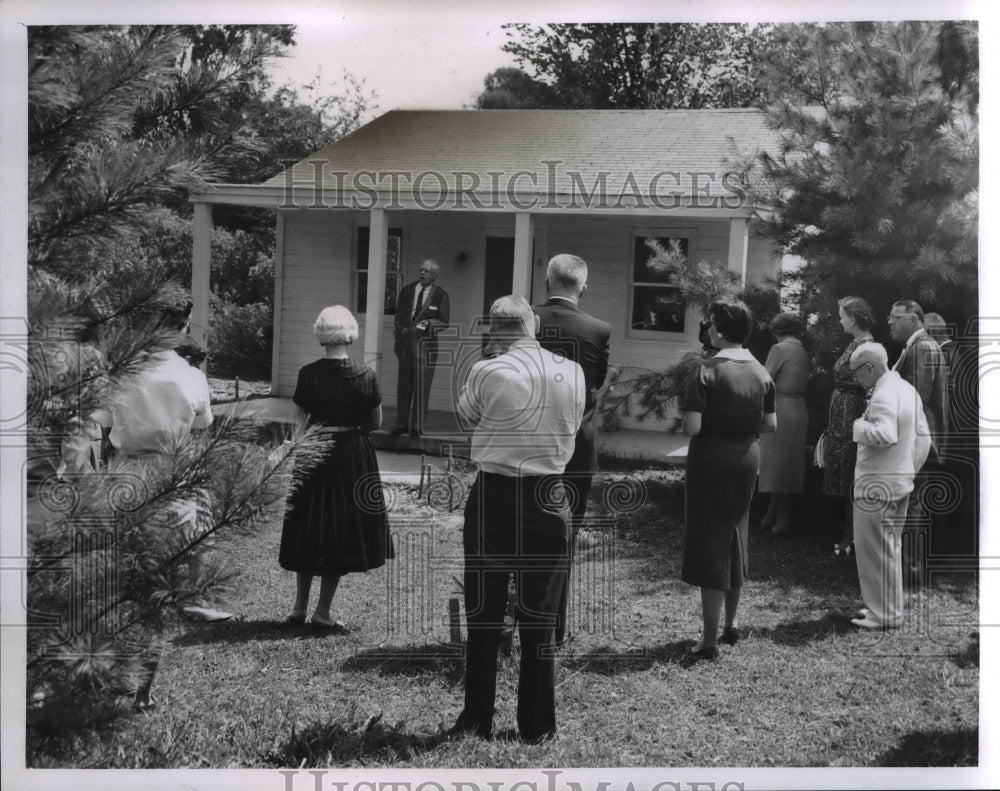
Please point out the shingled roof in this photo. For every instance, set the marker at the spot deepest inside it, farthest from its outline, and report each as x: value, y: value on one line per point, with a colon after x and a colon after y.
x: 468, y: 148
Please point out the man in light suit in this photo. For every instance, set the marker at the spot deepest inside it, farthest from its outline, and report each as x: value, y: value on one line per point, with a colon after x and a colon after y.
x: 583, y: 339
x: 893, y: 443
x: 421, y: 312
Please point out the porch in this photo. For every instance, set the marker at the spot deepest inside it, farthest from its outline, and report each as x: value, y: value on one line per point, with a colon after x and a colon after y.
x: 636, y: 447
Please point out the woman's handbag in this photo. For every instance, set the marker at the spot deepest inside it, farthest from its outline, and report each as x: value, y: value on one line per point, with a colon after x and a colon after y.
x: 819, y: 451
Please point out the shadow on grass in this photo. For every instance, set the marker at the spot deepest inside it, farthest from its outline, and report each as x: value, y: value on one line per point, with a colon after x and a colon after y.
x: 609, y: 661
x: 798, y: 633
x: 441, y: 659
x: 239, y: 631
x: 326, y: 744
x: 968, y: 655
x: 935, y: 748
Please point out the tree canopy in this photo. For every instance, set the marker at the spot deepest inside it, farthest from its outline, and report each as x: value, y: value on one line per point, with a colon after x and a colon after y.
x: 627, y: 66
x: 876, y: 184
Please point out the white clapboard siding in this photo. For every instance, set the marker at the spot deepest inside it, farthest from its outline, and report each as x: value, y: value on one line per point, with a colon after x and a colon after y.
x: 316, y: 273
x: 319, y: 253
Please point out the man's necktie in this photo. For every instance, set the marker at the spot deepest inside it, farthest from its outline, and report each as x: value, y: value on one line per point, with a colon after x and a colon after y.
x: 417, y: 302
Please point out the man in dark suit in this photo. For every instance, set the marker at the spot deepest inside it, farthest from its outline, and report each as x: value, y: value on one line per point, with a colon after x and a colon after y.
x: 421, y: 312
x: 923, y: 365
x: 580, y: 337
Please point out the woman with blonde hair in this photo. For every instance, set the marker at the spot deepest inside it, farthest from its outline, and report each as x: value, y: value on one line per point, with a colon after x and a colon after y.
x: 335, y: 521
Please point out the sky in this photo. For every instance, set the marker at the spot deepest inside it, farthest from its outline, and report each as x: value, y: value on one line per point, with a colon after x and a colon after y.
x: 420, y: 64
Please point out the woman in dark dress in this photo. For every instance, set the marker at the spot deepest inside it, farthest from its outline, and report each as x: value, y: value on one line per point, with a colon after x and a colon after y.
x: 846, y: 405
x: 729, y: 401
x: 335, y: 520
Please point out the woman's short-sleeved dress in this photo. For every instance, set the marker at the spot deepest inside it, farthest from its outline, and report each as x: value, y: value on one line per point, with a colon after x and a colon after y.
x: 335, y: 519
x: 846, y: 405
x: 733, y: 392
x: 783, y: 457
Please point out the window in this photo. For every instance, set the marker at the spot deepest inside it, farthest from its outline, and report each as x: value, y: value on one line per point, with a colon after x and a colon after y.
x: 658, y: 306
x: 393, y: 271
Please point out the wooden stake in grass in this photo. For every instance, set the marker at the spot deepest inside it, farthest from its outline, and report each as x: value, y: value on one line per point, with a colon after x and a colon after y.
x: 454, y: 621
x: 510, y: 620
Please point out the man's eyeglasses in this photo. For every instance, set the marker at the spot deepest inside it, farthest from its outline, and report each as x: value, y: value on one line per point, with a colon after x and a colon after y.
x: 858, y: 368
x: 894, y: 316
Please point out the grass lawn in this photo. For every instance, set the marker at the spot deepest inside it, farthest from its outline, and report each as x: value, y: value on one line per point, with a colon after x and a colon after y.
x: 804, y: 688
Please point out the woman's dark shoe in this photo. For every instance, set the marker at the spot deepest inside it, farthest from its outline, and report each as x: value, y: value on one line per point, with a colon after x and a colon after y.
x: 707, y: 654
x: 294, y: 619
x: 334, y: 627
x: 730, y: 635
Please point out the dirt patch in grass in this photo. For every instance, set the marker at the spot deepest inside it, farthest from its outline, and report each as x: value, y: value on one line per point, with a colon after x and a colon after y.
x: 225, y: 390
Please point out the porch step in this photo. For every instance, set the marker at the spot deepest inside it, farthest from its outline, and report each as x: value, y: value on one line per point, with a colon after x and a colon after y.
x: 425, y: 443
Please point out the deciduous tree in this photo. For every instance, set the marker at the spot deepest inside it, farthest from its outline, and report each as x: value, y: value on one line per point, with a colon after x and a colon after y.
x: 634, y: 66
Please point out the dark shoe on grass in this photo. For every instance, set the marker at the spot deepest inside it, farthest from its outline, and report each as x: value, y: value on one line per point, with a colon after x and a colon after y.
x: 731, y: 635
x: 707, y: 654
x: 466, y: 725
x: 333, y: 627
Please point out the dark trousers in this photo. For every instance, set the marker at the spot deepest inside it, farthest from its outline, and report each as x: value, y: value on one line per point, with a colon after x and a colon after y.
x: 577, y: 478
x: 413, y: 390
x: 519, y: 526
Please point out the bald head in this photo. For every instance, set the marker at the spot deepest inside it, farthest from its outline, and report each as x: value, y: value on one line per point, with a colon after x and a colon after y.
x: 566, y: 276
x: 511, y: 319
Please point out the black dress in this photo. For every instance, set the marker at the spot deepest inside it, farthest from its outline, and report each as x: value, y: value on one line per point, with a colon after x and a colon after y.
x: 335, y: 519
x: 733, y: 396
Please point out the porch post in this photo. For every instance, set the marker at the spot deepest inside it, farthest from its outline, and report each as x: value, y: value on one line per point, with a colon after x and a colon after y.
x: 378, y: 231
x: 739, y: 235
x: 201, y: 262
x: 524, y: 231
x: 279, y: 273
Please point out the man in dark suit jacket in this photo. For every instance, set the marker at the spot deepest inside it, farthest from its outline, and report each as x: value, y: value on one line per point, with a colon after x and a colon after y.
x: 580, y: 337
x: 421, y: 312
x: 923, y: 365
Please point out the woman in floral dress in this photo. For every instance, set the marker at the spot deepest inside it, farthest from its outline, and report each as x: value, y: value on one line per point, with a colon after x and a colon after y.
x: 846, y: 405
